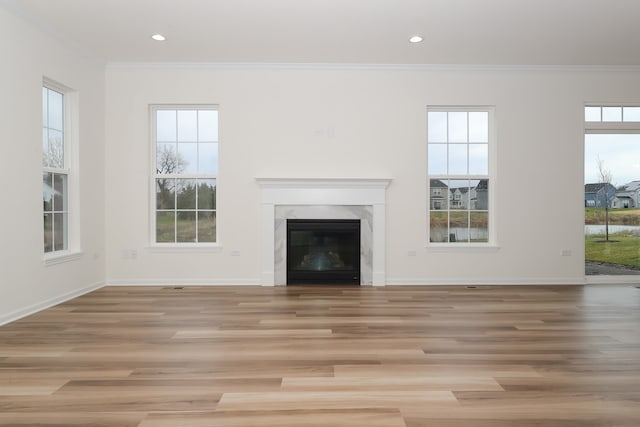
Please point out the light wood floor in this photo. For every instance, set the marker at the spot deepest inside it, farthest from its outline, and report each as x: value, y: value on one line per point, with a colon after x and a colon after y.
x: 327, y: 356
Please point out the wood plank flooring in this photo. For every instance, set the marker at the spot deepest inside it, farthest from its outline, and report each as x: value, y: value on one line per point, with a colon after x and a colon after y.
x: 327, y: 356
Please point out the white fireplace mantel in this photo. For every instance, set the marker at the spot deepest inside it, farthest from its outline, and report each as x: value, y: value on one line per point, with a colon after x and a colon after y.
x: 326, y: 192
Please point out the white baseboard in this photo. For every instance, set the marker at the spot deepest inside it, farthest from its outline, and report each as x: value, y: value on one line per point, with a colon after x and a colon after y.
x: 183, y: 282
x: 34, y: 308
x: 466, y: 281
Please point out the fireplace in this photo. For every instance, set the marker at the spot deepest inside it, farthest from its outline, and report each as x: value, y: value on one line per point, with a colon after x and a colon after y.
x: 323, y: 251
x: 325, y: 198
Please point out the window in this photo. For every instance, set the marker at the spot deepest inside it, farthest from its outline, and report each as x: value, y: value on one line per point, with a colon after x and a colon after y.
x: 185, y: 147
x: 459, y: 149
x: 611, y: 188
x: 612, y: 113
x: 55, y: 169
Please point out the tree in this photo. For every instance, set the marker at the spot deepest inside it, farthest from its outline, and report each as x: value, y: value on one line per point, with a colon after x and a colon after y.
x: 168, y: 161
x: 53, y: 153
x: 605, y: 177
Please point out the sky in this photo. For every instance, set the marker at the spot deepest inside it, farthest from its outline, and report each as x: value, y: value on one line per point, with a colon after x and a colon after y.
x: 620, y: 154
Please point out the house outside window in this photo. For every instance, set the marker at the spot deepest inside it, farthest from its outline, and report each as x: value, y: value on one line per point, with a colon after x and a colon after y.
x: 459, y: 149
x: 185, y: 164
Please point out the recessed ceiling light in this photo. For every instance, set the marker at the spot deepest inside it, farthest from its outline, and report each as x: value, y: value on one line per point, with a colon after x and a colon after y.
x: 158, y: 37
x: 415, y: 39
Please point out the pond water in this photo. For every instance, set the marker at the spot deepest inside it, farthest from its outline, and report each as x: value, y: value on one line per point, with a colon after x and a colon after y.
x: 613, y: 229
x: 460, y: 234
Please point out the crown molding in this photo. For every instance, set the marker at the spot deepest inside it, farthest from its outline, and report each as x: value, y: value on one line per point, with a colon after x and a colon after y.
x: 240, y: 66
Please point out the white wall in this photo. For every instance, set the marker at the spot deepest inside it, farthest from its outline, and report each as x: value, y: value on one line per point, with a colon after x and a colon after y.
x: 279, y: 121
x: 28, y: 55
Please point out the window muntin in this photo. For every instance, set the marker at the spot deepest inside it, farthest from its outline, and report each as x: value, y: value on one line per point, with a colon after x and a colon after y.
x: 458, y: 150
x: 55, y: 171
x: 185, y: 178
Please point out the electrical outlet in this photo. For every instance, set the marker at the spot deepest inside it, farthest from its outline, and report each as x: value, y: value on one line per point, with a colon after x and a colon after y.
x: 129, y: 254
x: 565, y: 252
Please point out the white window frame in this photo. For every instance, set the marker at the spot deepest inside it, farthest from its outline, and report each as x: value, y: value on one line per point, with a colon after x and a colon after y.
x: 192, y: 246
x: 492, y: 242
x: 70, y: 169
x: 609, y: 127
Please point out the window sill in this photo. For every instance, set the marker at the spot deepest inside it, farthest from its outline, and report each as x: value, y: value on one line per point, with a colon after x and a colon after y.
x: 61, y: 257
x: 184, y: 248
x: 461, y: 247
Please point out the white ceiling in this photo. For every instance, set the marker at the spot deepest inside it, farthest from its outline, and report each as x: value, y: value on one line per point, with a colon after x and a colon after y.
x: 479, y: 32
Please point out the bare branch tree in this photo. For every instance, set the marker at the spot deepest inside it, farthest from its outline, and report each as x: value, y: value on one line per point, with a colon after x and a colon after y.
x: 605, y: 177
x: 168, y: 161
x: 53, y: 154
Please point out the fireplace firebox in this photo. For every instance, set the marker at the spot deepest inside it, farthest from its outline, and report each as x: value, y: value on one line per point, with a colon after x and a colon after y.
x: 323, y: 251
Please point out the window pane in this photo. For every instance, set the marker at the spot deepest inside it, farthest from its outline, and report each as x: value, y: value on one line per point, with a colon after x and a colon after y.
x: 438, y: 226
x: 206, y: 226
x: 437, y: 157
x: 479, y: 231
x: 45, y: 110
x: 165, y: 227
x: 437, y: 126
x: 457, y: 126
x: 47, y: 192
x: 55, y: 110
x: 167, y: 160
x: 439, y: 197
x: 611, y: 114
x: 631, y: 114
x: 207, y: 125
x: 186, y: 193
x: 45, y: 147
x: 59, y: 231
x: 478, y: 159
x: 206, y: 194
x: 165, y: 194
x: 187, y: 126
x: 166, y: 127
x: 208, y: 158
x: 459, y: 226
x: 478, y: 126
x: 186, y: 226
x: 459, y: 194
x: 482, y: 195
x: 592, y: 114
x: 48, y: 232
x: 55, y: 150
x: 188, y: 155
x: 457, y: 159
x: 60, y: 192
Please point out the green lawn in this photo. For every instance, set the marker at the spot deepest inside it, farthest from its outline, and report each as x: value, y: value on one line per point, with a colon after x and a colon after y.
x: 183, y: 230
x: 622, y: 248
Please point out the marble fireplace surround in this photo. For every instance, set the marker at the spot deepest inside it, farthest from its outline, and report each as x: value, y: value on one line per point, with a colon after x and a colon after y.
x: 323, y: 198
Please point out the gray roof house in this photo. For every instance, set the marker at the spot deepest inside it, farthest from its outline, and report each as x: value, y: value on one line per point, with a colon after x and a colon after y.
x: 598, y: 194
x: 627, y: 196
x: 438, y: 194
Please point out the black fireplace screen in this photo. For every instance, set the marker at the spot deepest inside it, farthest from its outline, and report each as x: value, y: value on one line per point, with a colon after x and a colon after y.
x: 323, y: 251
